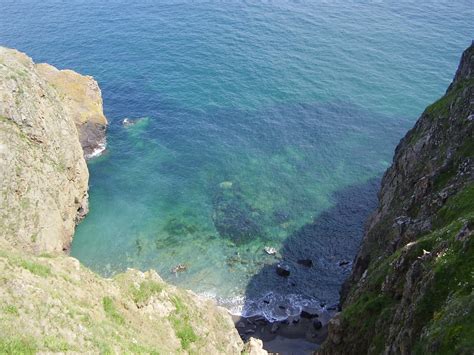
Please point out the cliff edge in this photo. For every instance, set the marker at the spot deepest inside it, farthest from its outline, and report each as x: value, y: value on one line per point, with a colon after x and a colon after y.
x: 49, y: 302
x: 82, y: 98
x: 411, y: 288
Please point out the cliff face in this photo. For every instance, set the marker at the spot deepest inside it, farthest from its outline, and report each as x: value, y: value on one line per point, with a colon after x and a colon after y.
x: 43, y: 175
x: 48, y: 301
x: 411, y: 289
x: 82, y: 99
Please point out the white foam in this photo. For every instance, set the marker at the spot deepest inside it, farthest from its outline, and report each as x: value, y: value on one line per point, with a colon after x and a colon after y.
x: 267, y: 306
x: 101, y: 146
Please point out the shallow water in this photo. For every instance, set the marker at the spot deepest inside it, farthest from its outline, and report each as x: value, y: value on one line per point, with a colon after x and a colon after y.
x: 261, y: 124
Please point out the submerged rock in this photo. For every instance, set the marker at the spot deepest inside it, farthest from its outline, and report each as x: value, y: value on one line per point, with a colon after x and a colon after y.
x: 226, y: 185
x: 179, y: 268
x: 283, y: 270
x: 129, y: 122
x: 234, y: 218
x: 270, y: 250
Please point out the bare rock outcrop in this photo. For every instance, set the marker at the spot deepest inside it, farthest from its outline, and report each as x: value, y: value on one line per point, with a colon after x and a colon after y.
x: 43, y: 174
x: 82, y: 99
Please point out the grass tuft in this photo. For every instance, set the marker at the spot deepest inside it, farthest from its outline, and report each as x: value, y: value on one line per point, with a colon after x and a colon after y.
x: 111, y: 311
x: 34, y: 268
x: 144, y: 292
x: 17, y: 346
x: 181, y: 324
x: 11, y: 309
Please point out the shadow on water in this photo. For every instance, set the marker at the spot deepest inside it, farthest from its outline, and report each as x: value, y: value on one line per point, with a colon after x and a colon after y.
x: 318, y: 257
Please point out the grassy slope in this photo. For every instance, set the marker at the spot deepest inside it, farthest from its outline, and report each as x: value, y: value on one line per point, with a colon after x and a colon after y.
x: 52, y: 303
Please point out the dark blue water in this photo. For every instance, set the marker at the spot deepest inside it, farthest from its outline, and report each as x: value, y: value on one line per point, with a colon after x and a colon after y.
x: 261, y: 124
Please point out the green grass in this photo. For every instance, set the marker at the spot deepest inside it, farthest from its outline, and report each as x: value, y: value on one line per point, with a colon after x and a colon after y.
x: 11, y: 309
x: 453, y: 274
x: 140, y: 349
x: 146, y: 289
x: 184, y: 331
x: 441, y: 107
x: 111, y: 311
x: 35, y: 268
x: 457, y: 206
x: 17, y: 346
x: 55, y: 344
x: 181, y: 324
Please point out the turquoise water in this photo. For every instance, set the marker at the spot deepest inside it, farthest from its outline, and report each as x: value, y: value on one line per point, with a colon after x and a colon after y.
x: 260, y: 124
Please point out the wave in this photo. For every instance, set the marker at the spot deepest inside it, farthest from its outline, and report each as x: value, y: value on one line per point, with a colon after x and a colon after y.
x: 101, y: 146
x: 272, y: 306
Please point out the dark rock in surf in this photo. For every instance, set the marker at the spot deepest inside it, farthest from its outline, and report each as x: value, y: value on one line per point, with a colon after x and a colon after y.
x: 309, y: 313
x: 283, y: 270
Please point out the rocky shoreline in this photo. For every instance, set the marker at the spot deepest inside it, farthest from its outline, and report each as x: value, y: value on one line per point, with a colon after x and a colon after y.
x: 302, y: 334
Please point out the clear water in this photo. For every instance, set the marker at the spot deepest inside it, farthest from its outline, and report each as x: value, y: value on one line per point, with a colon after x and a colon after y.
x: 262, y: 124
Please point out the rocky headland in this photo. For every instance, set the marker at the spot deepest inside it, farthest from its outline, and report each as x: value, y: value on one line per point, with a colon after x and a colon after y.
x: 82, y: 98
x: 49, y: 302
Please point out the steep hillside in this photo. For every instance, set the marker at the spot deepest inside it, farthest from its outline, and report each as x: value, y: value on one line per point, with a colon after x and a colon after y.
x: 48, y: 301
x: 411, y: 289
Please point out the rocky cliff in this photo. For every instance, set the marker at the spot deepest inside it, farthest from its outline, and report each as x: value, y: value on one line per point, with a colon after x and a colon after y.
x: 82, y: 99
x: 411, y: 288
x: 43, y: 175
x: 48, y: 301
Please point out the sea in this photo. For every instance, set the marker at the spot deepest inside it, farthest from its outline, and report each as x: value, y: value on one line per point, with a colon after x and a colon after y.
x: 260, y: 131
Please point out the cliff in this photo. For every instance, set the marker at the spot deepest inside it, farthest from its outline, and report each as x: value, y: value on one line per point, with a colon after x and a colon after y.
x: 81, y: 97
x: 411, y: 288
x: 43, y: 175
x: 48, y: 301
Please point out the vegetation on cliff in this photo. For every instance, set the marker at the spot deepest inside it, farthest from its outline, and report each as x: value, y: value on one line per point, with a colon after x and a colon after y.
x: 412, y: 286
x: 52, y: 303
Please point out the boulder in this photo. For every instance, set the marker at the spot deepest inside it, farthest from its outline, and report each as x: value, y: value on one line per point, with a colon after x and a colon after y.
x: 254, y: 347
